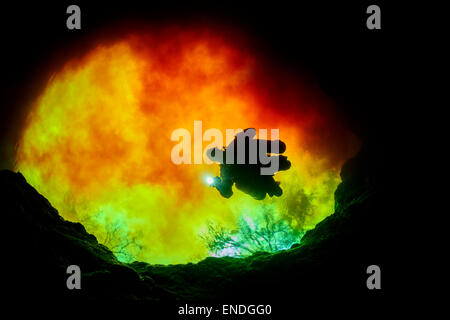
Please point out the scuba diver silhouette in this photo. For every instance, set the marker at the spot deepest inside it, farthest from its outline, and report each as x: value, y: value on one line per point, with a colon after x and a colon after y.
x: 246, y: 163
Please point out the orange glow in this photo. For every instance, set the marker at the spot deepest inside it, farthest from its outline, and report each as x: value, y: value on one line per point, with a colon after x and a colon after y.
x: 97, y: 141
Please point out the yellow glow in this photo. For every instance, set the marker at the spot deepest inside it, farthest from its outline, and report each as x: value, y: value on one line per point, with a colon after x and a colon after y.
x: 97, y: 142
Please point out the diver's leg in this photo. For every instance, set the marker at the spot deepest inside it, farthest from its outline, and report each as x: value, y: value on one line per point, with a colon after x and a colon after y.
x: 274, y: 188
x: 259, y: 195
x: 284, y: 163
x: 255, y: 189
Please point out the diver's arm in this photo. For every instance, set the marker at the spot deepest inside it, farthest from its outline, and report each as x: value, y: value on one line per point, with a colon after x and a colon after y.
x: 223, y: 186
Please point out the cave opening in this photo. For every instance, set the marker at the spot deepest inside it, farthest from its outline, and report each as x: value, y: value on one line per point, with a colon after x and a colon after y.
x: 97, y: 144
